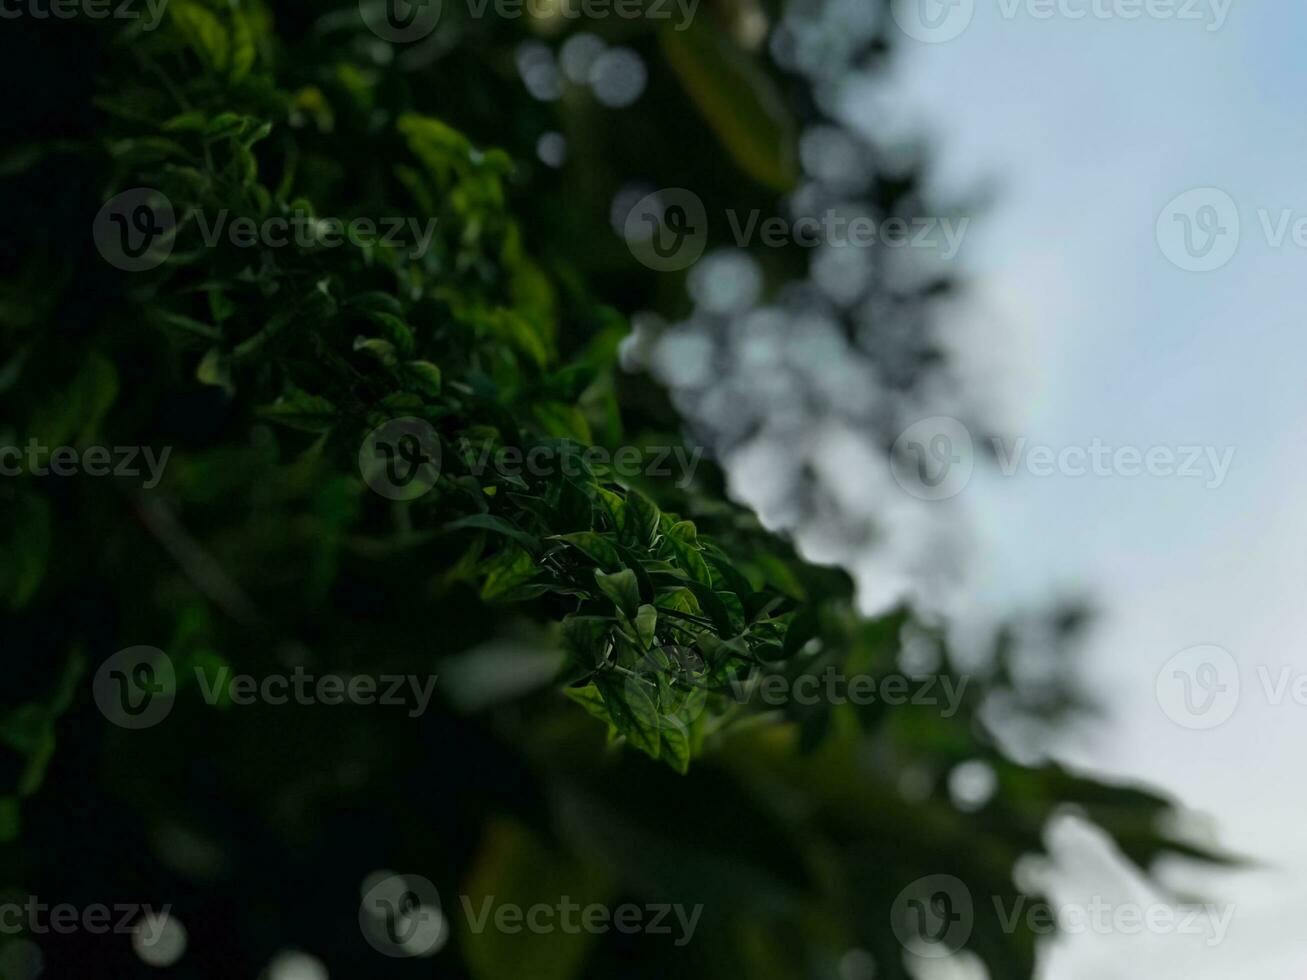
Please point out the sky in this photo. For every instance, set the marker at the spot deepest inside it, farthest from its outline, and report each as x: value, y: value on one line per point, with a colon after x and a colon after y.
x: 1086, y: 130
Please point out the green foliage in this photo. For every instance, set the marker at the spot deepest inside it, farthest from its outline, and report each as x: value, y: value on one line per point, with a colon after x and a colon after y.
x: 266, y: 367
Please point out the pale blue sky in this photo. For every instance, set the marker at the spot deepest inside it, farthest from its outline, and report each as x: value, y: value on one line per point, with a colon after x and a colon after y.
x: 1089, y: 128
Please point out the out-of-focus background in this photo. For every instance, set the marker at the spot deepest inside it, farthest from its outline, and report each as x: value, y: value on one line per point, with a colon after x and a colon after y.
x: 1089, y: 128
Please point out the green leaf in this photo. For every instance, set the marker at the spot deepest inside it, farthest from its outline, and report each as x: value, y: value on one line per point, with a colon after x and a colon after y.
x: 634, y: 713
x: 562, y: 421
x: 204, y: 31
x: 678, y: 600
x: 425, y: 375
x: 255, y: 134
x: 803, y: 627
x: 514, y: 867
x: 737, y: 99
x: 37, y: 762
x: 729, y: 578
x: 242, y: 56
x: 594, y: 546
x: 185, y: 326
x: 639, y: 519
x: 193, y: 121
x: 633, y: 561
x: 712, y: 604
x: 299, y: 410
x: 377, y: 302
x: 226, y: 124
x: 684, y: 531
x: 382, y: 350
x: 489, y: 522
x: 574, y: 508
x: 506, y: 571
x: 74, y: 414
x: 587, y: 638
x: 25, y: 540
x: 591, y: 700
x: 676, y: 749
x: 24, y: 728
x: 614, y: 505
x: 622, y: 588
x: 683, y: 543
x: 215, y: 369
x: 394, y: 330
x: 646, y: 624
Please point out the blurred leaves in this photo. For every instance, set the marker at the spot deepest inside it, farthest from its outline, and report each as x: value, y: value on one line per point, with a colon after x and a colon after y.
x: 514, y: 869
x: 738, y: 100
